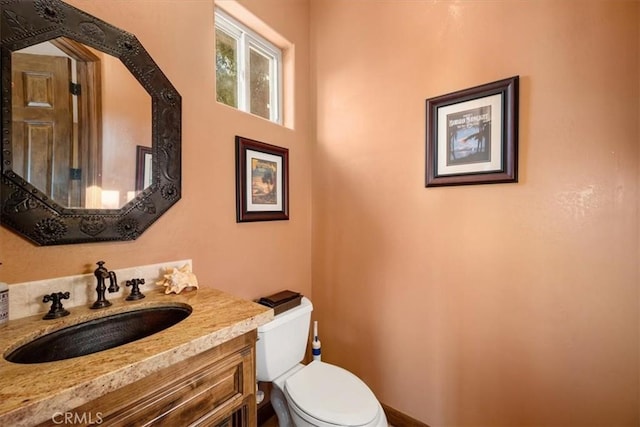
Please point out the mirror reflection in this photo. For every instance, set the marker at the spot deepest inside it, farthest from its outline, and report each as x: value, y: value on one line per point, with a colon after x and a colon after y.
x: 81, y: 125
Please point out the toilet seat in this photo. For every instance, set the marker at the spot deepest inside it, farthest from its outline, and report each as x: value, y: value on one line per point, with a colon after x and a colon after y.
x: 332, y: 395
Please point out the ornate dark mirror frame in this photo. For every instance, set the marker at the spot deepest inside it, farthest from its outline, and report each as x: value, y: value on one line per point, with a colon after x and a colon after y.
x: 25, y: 209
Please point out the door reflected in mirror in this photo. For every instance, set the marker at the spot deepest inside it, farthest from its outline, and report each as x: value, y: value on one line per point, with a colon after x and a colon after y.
x: 80, y: 123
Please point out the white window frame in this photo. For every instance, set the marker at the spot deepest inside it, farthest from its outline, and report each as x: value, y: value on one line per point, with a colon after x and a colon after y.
x: 246, y: 40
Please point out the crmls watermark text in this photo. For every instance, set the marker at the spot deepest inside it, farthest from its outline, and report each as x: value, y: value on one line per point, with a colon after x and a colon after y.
x: 72, y: 418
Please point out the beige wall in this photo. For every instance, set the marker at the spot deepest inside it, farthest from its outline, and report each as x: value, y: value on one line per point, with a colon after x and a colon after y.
x: 492, y: 305
x: 496, y: 305
x: 250, y: 259
x: 126, y: 123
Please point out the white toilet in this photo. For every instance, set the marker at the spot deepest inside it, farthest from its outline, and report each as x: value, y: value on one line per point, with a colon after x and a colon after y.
x: 318, y: 394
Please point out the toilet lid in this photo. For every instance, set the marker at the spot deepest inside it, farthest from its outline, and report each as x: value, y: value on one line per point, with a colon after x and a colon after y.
x: 332, y: 394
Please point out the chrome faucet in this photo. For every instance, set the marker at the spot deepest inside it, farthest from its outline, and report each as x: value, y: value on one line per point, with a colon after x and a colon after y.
x: 101, y: 274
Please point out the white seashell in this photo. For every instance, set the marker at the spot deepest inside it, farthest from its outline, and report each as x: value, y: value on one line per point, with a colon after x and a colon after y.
x: 177, y: 279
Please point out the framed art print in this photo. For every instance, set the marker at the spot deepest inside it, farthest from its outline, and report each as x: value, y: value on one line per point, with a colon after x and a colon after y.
x: 262, y: 181
x: 144, y: 164
x: 472, y: 135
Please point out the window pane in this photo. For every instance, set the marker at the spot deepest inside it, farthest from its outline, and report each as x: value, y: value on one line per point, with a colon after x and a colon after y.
x: 259, y: 85
x: 226, y: 69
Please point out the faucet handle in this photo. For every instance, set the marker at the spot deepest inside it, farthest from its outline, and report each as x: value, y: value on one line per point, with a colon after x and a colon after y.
x: 135, y: 289
x: 56, y: 310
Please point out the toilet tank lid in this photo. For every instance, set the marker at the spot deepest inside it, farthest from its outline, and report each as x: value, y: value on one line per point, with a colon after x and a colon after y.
x: 305, y: 307
x: 332, y: 394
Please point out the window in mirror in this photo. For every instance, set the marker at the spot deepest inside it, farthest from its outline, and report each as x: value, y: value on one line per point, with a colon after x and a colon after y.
x: 248, y: 69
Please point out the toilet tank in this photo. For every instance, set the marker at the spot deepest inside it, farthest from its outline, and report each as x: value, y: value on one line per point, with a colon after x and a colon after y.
x: 282, y: 342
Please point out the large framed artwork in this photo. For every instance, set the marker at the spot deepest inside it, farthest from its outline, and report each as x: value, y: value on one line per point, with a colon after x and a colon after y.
x: 472, y: 135
x: 262, y: 181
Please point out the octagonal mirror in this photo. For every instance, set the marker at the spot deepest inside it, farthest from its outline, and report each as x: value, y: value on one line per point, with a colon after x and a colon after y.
x: 91, y: 128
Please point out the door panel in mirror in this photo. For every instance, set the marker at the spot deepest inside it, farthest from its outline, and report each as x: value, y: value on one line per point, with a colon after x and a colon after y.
x: 42, y: 121
x: 34, y: 201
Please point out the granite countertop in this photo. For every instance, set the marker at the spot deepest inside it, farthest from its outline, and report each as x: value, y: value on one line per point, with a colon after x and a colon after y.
x: 32, y: 393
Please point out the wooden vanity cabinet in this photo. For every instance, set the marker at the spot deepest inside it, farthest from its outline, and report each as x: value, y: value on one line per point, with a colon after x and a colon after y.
x: 214, y: 388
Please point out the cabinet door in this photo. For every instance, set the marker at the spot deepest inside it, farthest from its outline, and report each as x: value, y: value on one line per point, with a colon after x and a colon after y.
x: 238, y: 419
x: 216, y: 387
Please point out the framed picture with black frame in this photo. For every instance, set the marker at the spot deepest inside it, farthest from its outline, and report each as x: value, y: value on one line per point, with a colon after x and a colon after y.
x: 144, y: 164
x: 472, y: 135
x: 262, y: 181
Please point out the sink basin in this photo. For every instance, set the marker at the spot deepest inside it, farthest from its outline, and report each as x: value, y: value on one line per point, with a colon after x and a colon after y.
x: 99, y: 334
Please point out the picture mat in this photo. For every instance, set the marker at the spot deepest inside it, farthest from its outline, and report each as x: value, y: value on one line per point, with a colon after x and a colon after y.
x: 495, y: 164
x: 263, y: 207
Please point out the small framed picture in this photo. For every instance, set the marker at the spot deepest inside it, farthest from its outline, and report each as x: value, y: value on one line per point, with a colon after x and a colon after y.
x: 143, y: 167
x: 472, y: 135
x: 262, y: 181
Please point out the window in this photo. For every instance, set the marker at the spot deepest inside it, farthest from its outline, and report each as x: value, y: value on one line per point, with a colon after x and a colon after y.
x: 248, y: 69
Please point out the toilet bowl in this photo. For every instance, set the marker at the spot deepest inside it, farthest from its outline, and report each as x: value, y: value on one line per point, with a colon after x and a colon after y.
x: 318, y: 394
x: 321, y: 394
